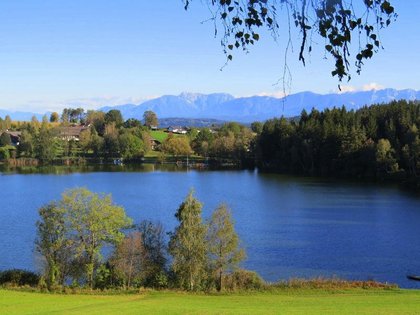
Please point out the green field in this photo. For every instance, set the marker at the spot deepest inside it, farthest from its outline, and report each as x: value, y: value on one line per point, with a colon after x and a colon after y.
x: 159, y: 135
x: 356, y: 301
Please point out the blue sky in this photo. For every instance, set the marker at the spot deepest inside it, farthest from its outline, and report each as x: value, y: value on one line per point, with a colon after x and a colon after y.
x: 93, y: 52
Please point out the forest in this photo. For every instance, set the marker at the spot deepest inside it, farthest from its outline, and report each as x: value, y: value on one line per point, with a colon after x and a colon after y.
x: 373, y: 142
x: 380, y: 142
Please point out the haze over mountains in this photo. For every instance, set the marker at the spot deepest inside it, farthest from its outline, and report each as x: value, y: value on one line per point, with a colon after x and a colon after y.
x: 223, y: 106
x: 247, y: 109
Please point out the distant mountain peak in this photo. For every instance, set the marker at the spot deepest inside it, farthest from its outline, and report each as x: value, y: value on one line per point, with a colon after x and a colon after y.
x: 194, y: 97
x: 190, y: 97
x: 223, y: 106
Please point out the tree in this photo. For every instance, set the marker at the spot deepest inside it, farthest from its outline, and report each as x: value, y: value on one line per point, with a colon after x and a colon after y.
x: 96, y: 142
x: 338, y: 23
x: 85, y: 139
x: 223, y: 243
x: 187, y: 244
x: 5, y: 139
x: 154, y: 254
x: 202, y: 142
x: 176, y: 146
x: 65, y: 116
x: 223, y: 145
x: 132, y: 123
x: 46, y: 145
x: 54, y: 117
x: 97, y: 119
x: 385, y: 156
x: 114, y: 116
x: 91, y: 141
x: 5, y: 153
x: 26, y: 144
x: 45, y: 120
x: 73, y: 115
x: 52, y: 243
x: 111, y: 140
x: 257, y: 127
x: 127, y: 258
x: 8, y: 122
x: 93, y: 221
x: 130, y: 146
x: 150, y: 118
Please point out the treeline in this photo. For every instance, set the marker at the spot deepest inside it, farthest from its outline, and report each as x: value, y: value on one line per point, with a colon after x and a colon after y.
x: 94, y: 135
x: 377, y: 142
x: 76, y: 135
x: 380, y: 141
x: 72, y: 233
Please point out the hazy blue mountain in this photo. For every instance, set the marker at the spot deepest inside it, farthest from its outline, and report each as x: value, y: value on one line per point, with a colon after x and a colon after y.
x: 185, y: 105
x: 123, y: 108
x: 21, y: 116
x: 247, y: 109
x: 221, y: 106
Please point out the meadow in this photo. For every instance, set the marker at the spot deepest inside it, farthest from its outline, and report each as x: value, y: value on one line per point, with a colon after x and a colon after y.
x: 352, y: 301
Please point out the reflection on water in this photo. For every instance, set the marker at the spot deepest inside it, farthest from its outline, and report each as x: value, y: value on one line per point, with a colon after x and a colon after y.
x: 64, y: 170
x: 291, y: 227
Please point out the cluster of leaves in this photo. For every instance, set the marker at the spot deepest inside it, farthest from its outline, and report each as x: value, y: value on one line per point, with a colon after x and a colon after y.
x: 337, y: 22
x: 376, y: 141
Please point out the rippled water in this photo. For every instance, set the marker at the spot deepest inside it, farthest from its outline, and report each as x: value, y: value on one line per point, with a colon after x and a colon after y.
x: 290, y: 227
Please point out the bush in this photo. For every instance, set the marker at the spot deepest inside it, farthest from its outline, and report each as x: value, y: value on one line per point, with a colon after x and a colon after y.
x: 331, y: 284
x: 19, y: 277
x: 243, y: 280
x: 4, y: 153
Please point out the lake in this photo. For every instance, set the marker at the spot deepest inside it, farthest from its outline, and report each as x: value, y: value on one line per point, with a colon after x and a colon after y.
x: 290, y: 226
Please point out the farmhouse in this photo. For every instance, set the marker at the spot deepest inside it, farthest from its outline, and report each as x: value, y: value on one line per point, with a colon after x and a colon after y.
x: 14, y: 136
x: 177, y: 129
x: 71, y: 133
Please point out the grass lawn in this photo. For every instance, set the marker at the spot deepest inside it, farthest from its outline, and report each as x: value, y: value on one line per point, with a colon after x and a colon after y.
x: 160, y: 135
x: 356, y: 301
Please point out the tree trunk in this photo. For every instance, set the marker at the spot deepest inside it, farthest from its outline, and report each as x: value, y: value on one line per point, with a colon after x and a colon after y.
x: 90, y: 267
x: 191, y: 283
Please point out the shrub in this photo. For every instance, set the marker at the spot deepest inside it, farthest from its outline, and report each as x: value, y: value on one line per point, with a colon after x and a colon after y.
x: 243, y: 280
x: 4, y: 153
x: 19, y: 277
x: 331, y: 284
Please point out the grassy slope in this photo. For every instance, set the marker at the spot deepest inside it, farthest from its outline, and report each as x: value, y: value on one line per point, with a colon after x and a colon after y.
x: 286, y: 302
x: 159, y: 135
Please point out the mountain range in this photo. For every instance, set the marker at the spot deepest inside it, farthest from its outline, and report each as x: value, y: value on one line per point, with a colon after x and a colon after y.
x: 225, y: 107
x: 20, y: 116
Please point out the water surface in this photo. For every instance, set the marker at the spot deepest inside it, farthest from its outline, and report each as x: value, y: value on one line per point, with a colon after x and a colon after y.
x: 290, y: 227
